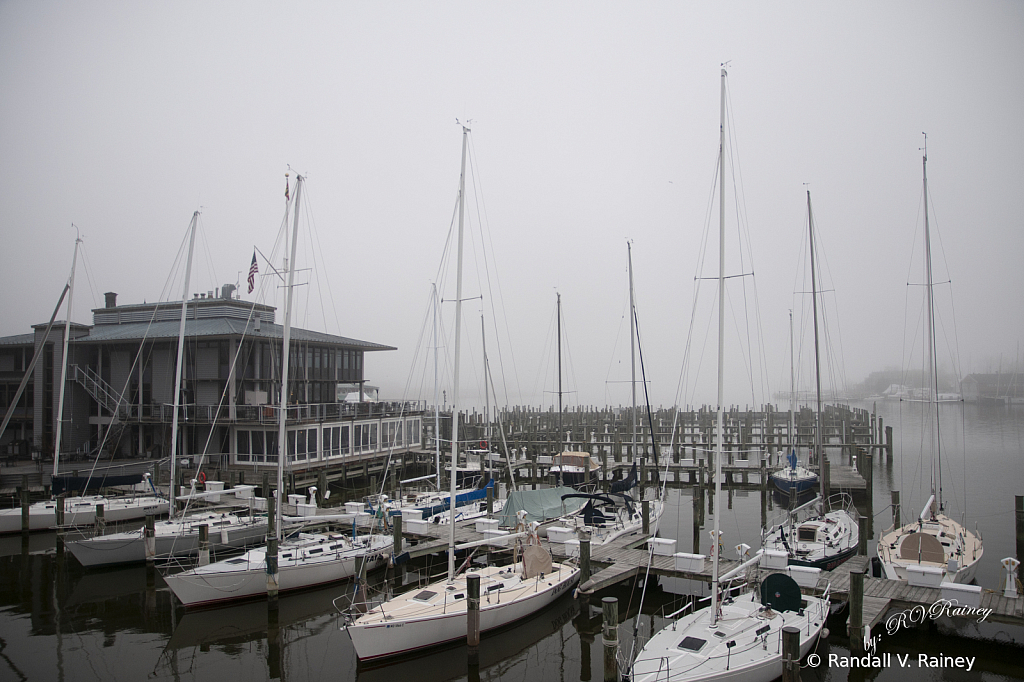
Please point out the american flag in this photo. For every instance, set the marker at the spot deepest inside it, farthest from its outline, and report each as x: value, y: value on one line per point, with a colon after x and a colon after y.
x: 253, y: 269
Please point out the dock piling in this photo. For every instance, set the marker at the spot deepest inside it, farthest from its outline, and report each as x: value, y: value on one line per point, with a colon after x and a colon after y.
x: 149, y: 534
x: 790, y: 654
x: 856, y: 627
x: 473, y: 618
x: 204, y: 544
x: 101, y: 522
x: 610, y: 608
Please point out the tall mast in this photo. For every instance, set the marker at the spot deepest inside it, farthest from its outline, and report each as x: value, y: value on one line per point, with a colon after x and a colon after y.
x: 632, y: 348
x: 721, y: 354
x: 64, y: 367
x: 179, y: 365
x: 792, y: 387
x: 561, y: 447
x: 437, y: 412
x: 282, y: 418
x: 933, y: 380
x: 817, y: 361
x: 487, y: 394
x: 458, y: 346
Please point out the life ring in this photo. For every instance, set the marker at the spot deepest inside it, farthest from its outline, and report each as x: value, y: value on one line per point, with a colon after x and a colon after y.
x: 201, y: 477
x: 483, y: 445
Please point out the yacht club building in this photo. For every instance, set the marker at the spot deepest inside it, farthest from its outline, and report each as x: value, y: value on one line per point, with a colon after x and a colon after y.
x: 120, y: 389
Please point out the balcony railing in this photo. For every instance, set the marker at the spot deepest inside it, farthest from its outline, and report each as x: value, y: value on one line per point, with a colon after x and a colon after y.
x: 268, y: 414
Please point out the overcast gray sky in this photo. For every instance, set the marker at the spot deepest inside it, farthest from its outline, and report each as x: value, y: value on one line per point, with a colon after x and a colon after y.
x: 593, y: 123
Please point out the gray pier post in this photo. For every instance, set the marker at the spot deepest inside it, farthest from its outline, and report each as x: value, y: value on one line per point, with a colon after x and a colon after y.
x: 610, y: 608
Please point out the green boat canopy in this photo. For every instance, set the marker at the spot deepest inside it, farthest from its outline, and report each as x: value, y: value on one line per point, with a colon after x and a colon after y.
x: 539, y: 505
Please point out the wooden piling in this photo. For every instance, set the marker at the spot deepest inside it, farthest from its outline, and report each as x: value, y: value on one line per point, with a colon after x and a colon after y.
x: 25, y: 525
x: 862, y: 528
x: 204, y: 544
x: 645, y: 510
x: 896, y: 523
x: 100, y: 526
x: 1019, y: 522
x: 790, y: 654
x: 856, y: 627
x: 149, y: 536
x: 473, y: 618
x: 396, y: 529
x: 272, y: 577
x: 610, y: 609
x: 584, y: 558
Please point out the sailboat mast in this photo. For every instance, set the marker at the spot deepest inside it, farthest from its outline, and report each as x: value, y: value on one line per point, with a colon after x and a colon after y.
x: 455, y: 376
x: 487, y: 395
x: 721, y: 354
x: 817, y: 360
x: 437, y: 409
x: 792, y: 387
x: 179, y: 366
x: 64, y: 368
x: 632, y: 347
x: 282, y: 418
x: 561, y: 446
x: 933, y: 380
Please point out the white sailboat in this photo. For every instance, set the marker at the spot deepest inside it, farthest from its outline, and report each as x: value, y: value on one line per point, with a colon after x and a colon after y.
x: 935, y: 547
x: 303, y: 559
x: 178, y: 535
x: 437, y: 613
x: 609, y: 516
x: 822, y: 533
x: 732, y: 639
x: 78, y: 511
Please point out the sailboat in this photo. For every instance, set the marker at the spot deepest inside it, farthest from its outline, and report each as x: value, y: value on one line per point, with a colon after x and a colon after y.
x: 78, y: 511
x: 178, y: 535
x: 935, y: 547
x: 821, y: 533
x: 733, y: 638
x: 302, y: 559
x: 437, y: 613
x: 610, y: 515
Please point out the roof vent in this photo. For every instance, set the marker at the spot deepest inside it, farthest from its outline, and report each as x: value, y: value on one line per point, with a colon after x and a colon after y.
x: 227, y: 291
x: 111, y: 299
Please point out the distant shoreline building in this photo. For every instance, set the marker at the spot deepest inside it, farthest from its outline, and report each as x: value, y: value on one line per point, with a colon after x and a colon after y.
x: 120, y: 388
x: 993, y: 388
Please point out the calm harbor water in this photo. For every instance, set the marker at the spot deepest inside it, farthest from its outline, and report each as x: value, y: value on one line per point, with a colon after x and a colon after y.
x: 60, y: 622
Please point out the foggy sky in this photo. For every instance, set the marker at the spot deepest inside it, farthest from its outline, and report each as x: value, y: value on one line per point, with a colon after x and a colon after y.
x: 593, y: 123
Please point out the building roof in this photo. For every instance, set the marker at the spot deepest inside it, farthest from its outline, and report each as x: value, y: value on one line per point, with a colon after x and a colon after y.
x: 18, y: 340
x: 215, y: 328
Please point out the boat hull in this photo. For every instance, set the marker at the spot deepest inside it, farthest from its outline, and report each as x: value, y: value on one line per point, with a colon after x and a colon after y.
x: 81, y: 511
x: 130, y: 547
x: 399, y: 636
x: 754, y: 657
x: 246, y: 577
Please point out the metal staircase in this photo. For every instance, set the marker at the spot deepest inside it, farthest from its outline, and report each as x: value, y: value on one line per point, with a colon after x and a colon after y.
x: 102, y: 392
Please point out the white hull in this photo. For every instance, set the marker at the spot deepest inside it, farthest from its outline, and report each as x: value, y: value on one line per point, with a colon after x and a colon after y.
x: 963, y: 548
x: 754, y: 657
x: 311, y: 560
x: 81, y: 511
x: 411, y: 625
x: 178, y: 537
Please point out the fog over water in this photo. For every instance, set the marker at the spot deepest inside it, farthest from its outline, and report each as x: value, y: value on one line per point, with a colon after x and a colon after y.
x: 593, y: 124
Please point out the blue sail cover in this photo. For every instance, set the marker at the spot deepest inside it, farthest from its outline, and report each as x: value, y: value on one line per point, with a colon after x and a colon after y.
x: 791, y: 458
x: 460, y: 501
